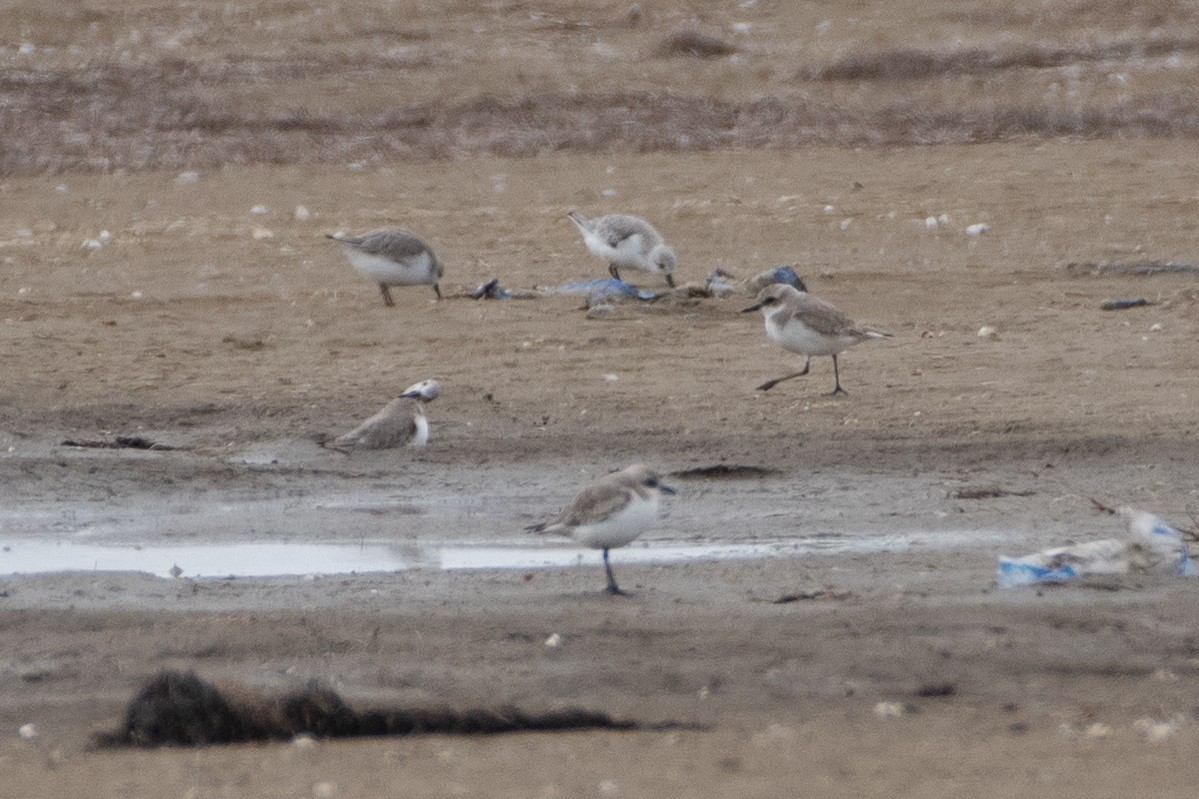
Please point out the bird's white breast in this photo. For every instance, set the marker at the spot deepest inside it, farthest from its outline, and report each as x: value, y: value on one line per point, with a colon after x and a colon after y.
x: 421, y: 436
x: 628, y: 252
x: 412, y: 271
x: 621, y: 527
x: 798, y: 337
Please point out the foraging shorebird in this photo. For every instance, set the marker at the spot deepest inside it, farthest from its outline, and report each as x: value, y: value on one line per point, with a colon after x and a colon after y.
x: 402, y: 421
x: 392, y: 257
x: 626, y: 241
x: 810, y: 326
x: 611, y: 512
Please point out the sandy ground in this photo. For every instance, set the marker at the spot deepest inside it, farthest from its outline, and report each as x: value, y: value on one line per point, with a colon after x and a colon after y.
x: 240, y: 338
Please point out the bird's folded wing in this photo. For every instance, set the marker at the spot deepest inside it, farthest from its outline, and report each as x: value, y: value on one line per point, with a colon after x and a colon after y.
x: 393, y: 244
x: 824, y: 318
x: 389, y: 427
x: 595, y: 504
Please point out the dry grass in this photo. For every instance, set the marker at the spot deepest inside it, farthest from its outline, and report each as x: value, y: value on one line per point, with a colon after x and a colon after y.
x: 355, y: 86
x: 116, y: 117
x: 922, y: 64
x: 693, y: 45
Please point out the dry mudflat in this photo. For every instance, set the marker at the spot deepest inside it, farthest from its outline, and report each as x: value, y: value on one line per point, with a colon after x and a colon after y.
x: 212, y: 317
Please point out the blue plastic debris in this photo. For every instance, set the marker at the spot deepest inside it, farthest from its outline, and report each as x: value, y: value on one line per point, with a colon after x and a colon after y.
x: 785, y: 274
x: 603, y: 289
x: 1014, y: 572
x: 719, y: 282
x: 1163, y: 542
x: 779, y: 274
x: 1151, y: 546
x: 491, y: 290
x: 1106, y: 556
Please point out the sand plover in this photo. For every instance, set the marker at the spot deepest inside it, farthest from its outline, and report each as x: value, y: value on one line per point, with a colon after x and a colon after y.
x: 810, y: 326
x: 626, y: 241
x: 402, y: 421
x: 392, y: 257
x: 611, y: 512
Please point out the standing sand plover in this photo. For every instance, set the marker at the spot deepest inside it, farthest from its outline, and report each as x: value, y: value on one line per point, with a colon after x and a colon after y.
x: 626, y: 241
x: 810, y: 326
x: 402, y: 421
x: 392, y: 257
x: 611, y: 512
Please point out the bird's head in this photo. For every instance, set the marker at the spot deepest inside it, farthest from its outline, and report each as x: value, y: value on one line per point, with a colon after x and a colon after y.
x: 664, y: 261
x: 425, y: 390
x: 771, y: 297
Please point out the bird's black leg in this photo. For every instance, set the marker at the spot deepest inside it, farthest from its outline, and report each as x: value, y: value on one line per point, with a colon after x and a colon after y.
x: 613, y: 271
x: 437, y: 290
x: 613, y: 588
x: 386, y: 292
x: 769, y: 384
x: 837, y: 378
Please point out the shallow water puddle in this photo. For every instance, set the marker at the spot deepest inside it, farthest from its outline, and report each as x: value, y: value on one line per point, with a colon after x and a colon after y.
x: 278, y: 559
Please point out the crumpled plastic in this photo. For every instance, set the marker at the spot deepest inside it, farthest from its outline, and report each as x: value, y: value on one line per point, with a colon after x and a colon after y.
x: 1151, y: 546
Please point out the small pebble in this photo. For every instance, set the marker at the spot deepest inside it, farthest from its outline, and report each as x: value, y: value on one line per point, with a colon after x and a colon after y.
x: 262, y: 234
x: 978, y: 229
x: 137, y: 295
x: 93, y: 244
x: 931, y: 222
x: 27, y: 732
x: 986, y: 331
x: 187, y: 177
x: 828, y: 209
x: 1157, y: 328
x: 1156, y: 731
x: 301, y: 214
x: 889, y: 710
x: 554, y: 641
x: 845, y: 223
x: 259, y: 210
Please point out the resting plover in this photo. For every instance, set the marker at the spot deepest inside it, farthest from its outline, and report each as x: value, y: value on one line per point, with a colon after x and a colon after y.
x: 402, y: 421
x: 810, y: 326
x: 611, y: 512
x: 626, y: 241
x: 392, y: 257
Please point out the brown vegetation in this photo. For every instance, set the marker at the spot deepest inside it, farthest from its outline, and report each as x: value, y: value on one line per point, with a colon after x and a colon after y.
x: 363, y: 90
x: 694, y: 45
x: 180, y: 709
